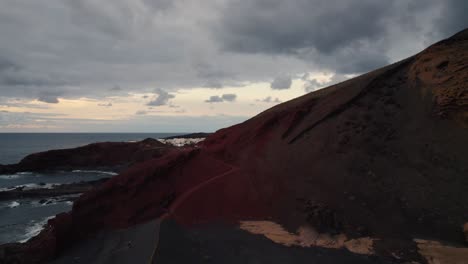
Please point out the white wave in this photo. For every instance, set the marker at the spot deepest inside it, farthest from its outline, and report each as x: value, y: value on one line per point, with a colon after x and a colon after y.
x: 47, y: 202
x: 13, y: 204
x: 36, y: 203
x: 25, y: 173
x: 35, y: 229
x: 14, y: 176
x: 31, y: 186
x: 55, y: 200
x: 34, y: 186
x: 95, y: 171
x: 10, y: 176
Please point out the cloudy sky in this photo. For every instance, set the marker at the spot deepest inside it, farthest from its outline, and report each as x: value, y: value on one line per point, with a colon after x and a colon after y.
x: 183, y: 66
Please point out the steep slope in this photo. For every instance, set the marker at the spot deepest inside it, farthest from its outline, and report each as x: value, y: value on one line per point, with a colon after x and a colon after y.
x: 384, y: 155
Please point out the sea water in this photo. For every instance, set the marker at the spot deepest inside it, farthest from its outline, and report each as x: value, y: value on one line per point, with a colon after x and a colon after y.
x: 21, y: 219
x: 15, y: 146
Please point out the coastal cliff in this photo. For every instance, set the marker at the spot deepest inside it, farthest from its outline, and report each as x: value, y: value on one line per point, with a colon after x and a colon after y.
x: 382, y: 156
x: 113, y: 156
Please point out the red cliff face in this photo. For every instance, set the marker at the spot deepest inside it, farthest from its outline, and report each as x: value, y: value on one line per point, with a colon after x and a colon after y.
x: 382, y: 155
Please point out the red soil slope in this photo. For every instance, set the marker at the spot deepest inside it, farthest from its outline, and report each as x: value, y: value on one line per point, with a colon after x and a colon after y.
x: 382, y: 155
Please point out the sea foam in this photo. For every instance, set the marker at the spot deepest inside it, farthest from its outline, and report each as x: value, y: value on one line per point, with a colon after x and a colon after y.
x: 13, y: 204
x: 95, y: 171
x: 10, y: 176
x: 35, y: 229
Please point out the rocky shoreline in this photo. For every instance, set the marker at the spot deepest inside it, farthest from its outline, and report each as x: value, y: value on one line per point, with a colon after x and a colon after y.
x: 101, y: 156
x: 52, y: 191
x: 108, y: 156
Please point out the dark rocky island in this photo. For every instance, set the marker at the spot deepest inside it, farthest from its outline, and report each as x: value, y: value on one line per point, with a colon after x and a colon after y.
x: 106, y: 156
x: 112, y: 156
x: 371, y: 170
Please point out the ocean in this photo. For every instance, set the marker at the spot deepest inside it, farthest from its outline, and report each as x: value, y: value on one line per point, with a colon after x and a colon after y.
x: 21, y: 219
x: 15, y: 146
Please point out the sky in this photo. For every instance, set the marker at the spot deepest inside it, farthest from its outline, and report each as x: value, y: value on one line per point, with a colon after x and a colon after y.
x: 189, y: 66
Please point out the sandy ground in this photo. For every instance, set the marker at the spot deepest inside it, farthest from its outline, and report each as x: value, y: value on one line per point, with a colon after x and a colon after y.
x: 222, y: 244
x: 252, y: 242
x: 167, y: 242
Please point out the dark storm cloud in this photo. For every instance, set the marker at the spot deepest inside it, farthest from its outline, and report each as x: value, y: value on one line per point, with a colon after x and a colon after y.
x: 116, y: 88
x: 313, y: 84
x: 222, y: 98
x: 229, y: 97
x: 281, y: 83
x: 454, y: 17
x: 344, y: 36
x: 286, y: 26
x: 48, y: 97
x: 82, y: 47
x: 214, y: 99
x: 19, y: 81
x: 269, y: 99
x: 79, y: 46
x: 213, y: 84
x: 161, y: 98
x: 159, y: 5
x: 313, y: 30
x: 23, y: 78
x: 212, y: 72
x: 6, y: 64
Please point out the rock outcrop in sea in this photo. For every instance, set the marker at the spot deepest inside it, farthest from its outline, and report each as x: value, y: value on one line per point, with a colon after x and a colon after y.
x: 114, y: 156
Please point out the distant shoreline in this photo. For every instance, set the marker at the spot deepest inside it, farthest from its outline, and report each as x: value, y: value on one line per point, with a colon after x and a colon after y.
x: 191, y: 135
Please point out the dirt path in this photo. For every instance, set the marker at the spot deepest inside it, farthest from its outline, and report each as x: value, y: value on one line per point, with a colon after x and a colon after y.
x: 196, y: 188
x: 178, y: 201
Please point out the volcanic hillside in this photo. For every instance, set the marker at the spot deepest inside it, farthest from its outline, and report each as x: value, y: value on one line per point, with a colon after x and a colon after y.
x: 383, y: 155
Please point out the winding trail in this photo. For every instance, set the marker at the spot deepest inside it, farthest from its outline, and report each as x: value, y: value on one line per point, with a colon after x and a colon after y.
x: 179, y: 200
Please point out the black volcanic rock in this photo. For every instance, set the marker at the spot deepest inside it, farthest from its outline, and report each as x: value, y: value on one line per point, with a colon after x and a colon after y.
x: 105, y: 155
